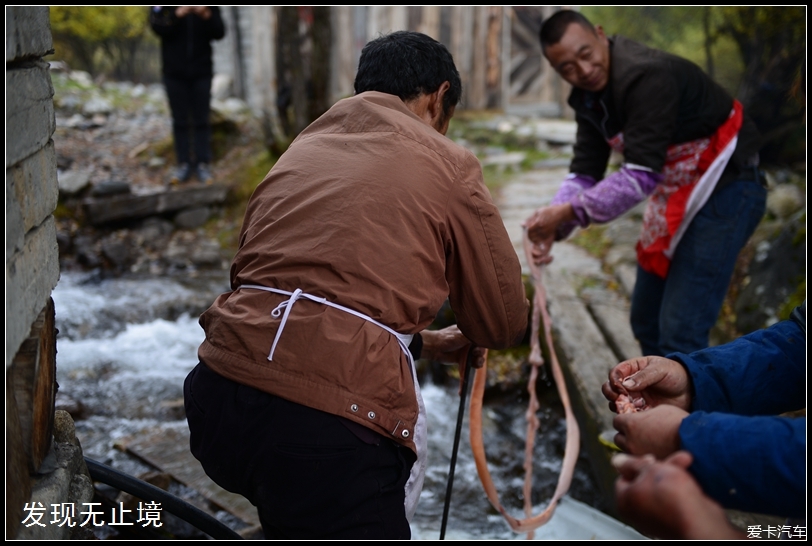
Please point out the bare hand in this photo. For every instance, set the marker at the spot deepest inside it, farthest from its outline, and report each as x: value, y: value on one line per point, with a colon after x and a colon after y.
x: 540, y: 253
x: 662, y: 499
x: 650, y: 381
x: 655, y: 431
x: 543, y: 223
x: 449, y: 345
x: 200, y: 11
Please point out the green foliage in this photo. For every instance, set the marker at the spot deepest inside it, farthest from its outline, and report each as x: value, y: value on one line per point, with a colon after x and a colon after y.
x: 660, y: 27
x: 772, y: 43
x: 99, y: 23
x: 594, y: 240
x: 101, y: 39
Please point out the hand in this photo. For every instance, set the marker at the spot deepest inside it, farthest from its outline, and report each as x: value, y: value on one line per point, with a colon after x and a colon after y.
x: 654, y: 431
x: 540, y: 252
x: 449, y: 345
x: 650, y: 381
x: 543, y: 223
x: 662, y: 499
x: 201, y: 11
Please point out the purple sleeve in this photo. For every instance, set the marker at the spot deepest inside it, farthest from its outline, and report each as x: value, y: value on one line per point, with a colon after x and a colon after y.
x: 614, y: 195
x: 572, y: 185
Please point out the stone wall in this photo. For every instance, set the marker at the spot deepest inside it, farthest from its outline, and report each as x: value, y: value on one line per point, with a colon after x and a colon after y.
x: 44, y: 462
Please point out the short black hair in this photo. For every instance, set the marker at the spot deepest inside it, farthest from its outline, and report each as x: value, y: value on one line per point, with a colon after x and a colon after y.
x: 553, y: 28
x: 407, y: 64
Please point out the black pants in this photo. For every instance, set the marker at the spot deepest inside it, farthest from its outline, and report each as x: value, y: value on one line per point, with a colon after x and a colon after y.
x: 308, y: 475
x: 190, y: 103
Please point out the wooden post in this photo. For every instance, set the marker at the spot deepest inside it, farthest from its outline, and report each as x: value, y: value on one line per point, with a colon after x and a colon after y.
x: 342, y: 72
x: 493, y: 77
x: 477, y: 88
x: 430, y: 21
x: 507, y: 16
x: 263, y: 38
x: 33, y: 378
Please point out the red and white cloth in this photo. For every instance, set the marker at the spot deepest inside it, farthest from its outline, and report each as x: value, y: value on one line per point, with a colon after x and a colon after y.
x: 691, y: 172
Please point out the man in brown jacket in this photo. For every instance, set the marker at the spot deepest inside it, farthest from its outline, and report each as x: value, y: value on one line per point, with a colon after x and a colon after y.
x: 305, y: 400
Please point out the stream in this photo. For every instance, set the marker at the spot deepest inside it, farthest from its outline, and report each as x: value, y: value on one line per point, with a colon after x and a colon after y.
x: 125, y: 346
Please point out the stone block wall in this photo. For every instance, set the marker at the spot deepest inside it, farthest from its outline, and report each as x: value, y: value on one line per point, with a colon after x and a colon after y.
x: 32, y: 255
x: 44, y: 462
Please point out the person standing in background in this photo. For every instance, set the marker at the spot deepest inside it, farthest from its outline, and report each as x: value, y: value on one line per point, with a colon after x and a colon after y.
x: 186, y: 33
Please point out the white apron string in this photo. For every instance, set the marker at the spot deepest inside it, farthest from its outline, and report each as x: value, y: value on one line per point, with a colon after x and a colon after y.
x: 403, y: 339
x: 414, y: 485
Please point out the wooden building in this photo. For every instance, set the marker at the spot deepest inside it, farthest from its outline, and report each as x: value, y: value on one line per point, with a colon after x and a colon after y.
x: 496, y: 50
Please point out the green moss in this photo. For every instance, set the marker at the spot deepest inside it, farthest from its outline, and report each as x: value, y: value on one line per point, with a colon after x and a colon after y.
x: 593, y: 239
x: 240, y: 191
x: 63, y: 212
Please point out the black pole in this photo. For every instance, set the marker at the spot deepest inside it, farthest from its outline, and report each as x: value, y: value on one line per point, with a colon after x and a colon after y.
x: 463, y: 393
x: 172, y: 504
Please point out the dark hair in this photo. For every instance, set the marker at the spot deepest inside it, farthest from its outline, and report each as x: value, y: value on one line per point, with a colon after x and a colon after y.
x: 408, y: 64
x: 553, y: 28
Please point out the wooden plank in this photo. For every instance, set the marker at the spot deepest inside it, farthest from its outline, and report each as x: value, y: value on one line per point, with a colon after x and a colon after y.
x: 33, y: 377
x: 611, y: 312
x: 168, y: 450
x: 18, y: 480
x: 130, y: 206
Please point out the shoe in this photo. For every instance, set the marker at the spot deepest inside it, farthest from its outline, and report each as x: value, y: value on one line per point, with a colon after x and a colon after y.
x: 204, y: 173
x: 182, y: 173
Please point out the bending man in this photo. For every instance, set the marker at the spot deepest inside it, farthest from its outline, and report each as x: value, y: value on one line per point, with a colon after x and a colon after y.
x: 305, y: 400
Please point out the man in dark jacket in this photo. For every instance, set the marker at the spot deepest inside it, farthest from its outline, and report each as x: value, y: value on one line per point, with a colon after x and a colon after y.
x: 687, y: 147
x: 186, y: 34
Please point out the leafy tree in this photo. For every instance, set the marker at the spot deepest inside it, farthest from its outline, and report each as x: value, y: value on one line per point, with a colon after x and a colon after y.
x: 772, y: 44
x: 101, y: 38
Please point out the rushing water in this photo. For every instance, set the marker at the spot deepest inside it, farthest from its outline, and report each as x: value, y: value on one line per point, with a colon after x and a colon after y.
x: 125, y: 345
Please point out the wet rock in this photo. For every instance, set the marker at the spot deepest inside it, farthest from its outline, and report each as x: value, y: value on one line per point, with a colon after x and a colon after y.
x: 206, y: 254
x: 152, y: 229
x: 86, y: 253
x: 73, y: 407
x: 63, y: 241
x: 110, y: 187
x: 775, y: 273
x: 97, y: 105
x: 784, y: 200
x: 192, y: 218
x: 72, y: 182
x: 117, y: 249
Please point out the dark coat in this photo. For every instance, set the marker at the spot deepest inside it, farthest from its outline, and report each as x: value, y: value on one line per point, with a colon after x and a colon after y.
x: 186, y: 50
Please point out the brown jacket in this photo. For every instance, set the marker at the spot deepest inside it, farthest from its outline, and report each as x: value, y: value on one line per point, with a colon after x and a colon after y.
x: 374, y: 210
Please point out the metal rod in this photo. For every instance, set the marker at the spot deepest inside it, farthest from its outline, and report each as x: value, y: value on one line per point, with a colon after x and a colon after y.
x: 463, y: 393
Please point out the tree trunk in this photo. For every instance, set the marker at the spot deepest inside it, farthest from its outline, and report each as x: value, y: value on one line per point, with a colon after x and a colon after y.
x: 321, y: 34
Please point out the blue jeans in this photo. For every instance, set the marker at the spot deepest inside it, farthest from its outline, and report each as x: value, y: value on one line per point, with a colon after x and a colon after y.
x: 676, y: 314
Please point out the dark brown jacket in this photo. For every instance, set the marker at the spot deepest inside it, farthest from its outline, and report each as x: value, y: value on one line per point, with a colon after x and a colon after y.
x: 376, y: 211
